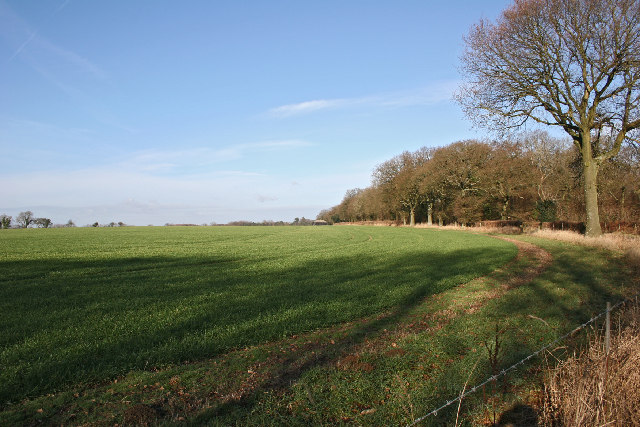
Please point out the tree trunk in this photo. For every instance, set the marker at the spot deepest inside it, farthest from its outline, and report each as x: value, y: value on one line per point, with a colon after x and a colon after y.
x: 590, y: 171
x: 412, y: 220
x: 505, y: 209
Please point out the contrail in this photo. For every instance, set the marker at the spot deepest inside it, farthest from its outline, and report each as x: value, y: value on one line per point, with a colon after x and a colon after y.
x: 62, y: 6
x: 21, y: 48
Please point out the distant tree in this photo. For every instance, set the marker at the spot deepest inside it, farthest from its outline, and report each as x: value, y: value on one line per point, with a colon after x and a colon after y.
x: 42, y: 222
x: 373, y: 207
x: 574, y: 64
x: 409, y: 194
x: 5, y: 221
x: 95, y: 224
x: 70, y: 223
x: 408, y: 181
x: 24, y: 219
x: 305, y: 221
x: 438, y: 193
x: 325, y: 215
x: 351, y: 208
x: 122, y: 224
x: 384, y: 178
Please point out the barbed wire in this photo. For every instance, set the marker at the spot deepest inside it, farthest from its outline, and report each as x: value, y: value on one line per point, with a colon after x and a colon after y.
x: 521, y: 362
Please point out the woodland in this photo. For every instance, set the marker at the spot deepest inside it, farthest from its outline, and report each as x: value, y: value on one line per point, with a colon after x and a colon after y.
x: 533, y: 177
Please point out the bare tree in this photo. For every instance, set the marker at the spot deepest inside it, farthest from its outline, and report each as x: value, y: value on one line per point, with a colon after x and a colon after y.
x: 384, y: 178
x: 568, y: 63
x: 546, y: 156
x: 400, y: 180
x: 24, y: 219
x: 506, y: 176
x: 455, y: 172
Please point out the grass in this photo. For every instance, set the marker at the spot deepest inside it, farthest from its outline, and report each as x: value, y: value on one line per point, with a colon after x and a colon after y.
x: 419, y: 316
x: 82, y: 306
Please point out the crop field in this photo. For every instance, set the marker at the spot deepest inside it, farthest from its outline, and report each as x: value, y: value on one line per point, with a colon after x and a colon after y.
x: 90, y: 304
x: 97, y: 321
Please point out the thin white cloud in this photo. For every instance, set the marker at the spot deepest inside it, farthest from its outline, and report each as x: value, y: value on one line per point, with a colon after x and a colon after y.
x: 282, y: 144
x: 433, y: 94
x: 309, y: 107
x: 262, y: 198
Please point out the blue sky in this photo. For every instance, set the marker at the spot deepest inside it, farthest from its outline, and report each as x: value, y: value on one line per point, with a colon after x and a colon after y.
x: 150, y: 112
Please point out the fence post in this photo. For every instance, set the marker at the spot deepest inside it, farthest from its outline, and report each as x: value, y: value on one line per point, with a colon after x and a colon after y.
x: 607, y: 333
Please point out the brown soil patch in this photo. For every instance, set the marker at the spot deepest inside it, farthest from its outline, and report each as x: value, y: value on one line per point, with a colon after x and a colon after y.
x: 541, y: 257
x: 353, y: 363
x: 141, y: 415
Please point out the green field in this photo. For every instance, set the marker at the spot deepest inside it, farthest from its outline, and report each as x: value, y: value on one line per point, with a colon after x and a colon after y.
x: 81, y: 306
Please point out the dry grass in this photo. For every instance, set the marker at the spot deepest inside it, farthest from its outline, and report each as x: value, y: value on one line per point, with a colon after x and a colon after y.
x: 374, y: 223
x: 596, y: 389
x: 612, y: 241
x: 475, y: 229
x: 629, y: 244
x: 626, y: 243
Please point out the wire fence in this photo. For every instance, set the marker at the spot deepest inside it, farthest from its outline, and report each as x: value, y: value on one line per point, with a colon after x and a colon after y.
x: 504, y: 372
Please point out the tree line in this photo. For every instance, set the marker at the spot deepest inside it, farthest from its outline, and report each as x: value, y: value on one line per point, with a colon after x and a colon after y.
x: 531, y: 177
x: 572, y: 65
x: 24, y: 220
x: 27, y: 219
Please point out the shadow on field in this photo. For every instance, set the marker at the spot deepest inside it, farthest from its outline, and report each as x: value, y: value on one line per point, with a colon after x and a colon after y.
x: 570, y: 292
x: 573, y: 291
x: 67, y: 322
x: 292, y: 366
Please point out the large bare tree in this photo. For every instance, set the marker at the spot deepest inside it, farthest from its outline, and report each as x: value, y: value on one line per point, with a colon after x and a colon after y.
x: 574, y: 64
